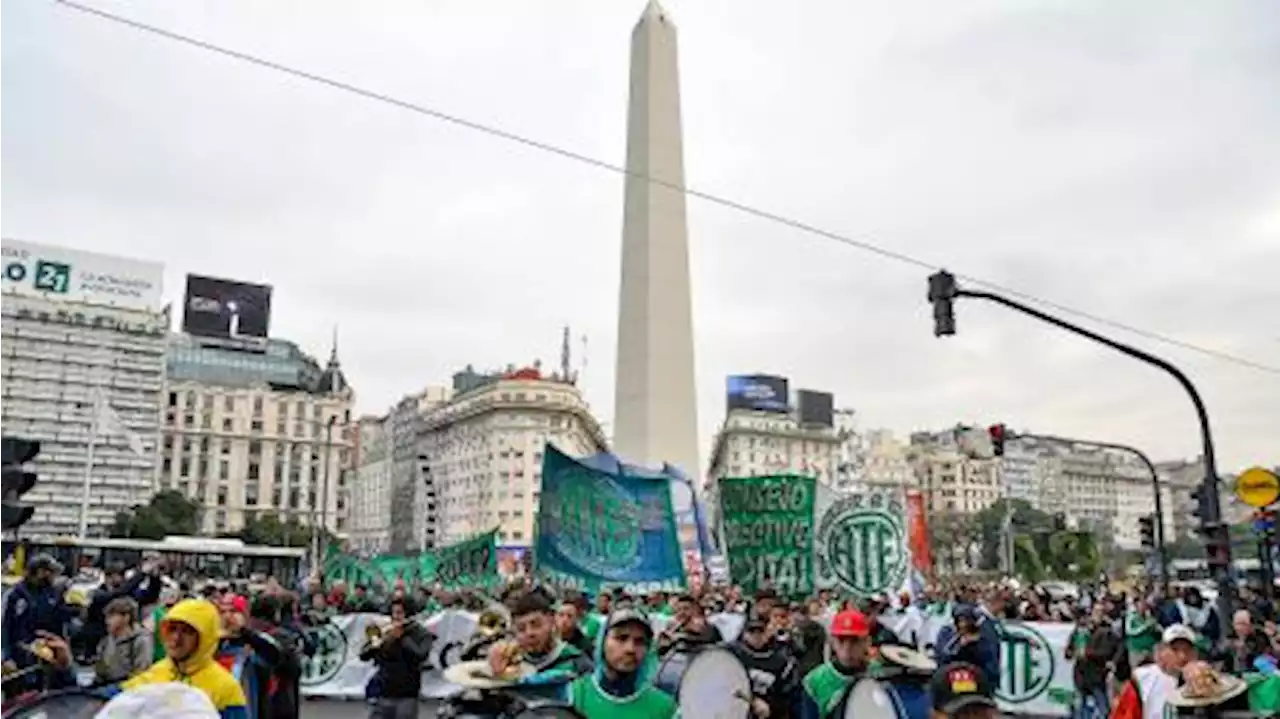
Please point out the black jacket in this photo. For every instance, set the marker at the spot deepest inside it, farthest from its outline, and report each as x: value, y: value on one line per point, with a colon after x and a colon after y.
x: 266, y: 657
x: 774, y: 676
x: 400, y: 661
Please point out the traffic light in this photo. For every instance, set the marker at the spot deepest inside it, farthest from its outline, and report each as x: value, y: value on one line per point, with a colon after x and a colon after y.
x: 998, y: 434
x: 942, y: 292
x: 17, y: 480
x: 1147, y: 530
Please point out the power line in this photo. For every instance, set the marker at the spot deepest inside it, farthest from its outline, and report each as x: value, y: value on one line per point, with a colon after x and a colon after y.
x: 611, y: 167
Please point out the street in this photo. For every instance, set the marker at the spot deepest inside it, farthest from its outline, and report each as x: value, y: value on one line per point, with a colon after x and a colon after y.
x: 337, y: 709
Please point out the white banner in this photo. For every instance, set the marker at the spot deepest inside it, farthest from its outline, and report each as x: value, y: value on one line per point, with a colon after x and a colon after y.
x: 1035, y: 674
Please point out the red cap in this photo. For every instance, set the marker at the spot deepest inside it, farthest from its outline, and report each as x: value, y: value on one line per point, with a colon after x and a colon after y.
x: 850, y: 623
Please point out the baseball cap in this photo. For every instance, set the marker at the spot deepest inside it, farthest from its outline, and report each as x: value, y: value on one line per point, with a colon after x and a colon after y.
x: 629, y: 616
x: 850, y: 623
x: 1175, y: 632
x: 960, y: 686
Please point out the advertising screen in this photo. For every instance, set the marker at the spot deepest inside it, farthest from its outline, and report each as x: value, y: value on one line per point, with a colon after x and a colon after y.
x: 226, y: 308
x: 816, y: 408
x: 763, y: 393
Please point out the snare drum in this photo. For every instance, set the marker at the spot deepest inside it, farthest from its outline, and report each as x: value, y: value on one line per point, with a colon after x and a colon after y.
x: 907, y: 697
x: 707, y: 683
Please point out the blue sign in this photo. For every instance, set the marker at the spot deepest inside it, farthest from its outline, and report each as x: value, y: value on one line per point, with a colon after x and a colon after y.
x: 759, y: 392
x: 601, y: 527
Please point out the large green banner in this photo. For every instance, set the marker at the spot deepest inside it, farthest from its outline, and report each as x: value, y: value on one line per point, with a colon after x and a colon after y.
x: 469, y: 563
x: 768, y: 532
x: 797, y: 535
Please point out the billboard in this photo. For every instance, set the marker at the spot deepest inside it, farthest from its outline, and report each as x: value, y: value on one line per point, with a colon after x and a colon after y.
x: 760, y: 392
x: 226, y: 308
x: 66, y: 275
x: 816, y: 408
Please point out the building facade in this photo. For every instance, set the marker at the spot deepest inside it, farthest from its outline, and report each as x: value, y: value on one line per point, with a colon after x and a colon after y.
x: 482, y: 452
x: 250, y: 433
x: 950, y: 481
x: 369, y: 516
x: 80, y: 328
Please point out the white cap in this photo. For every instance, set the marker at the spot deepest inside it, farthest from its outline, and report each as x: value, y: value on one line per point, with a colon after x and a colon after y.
x: 1175, y: 632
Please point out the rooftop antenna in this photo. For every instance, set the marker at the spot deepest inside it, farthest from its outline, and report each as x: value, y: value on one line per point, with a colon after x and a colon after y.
x: 566, y: 371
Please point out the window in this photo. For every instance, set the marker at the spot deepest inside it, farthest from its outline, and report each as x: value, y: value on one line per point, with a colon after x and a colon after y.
x: 224, y: 469
x: 173, y: 399
x: 222, y: 496
x: 167, y: 467
x: 254, y: 470
x: 184, y: 467
x: 275, y: 497
x: 226, y: 424
x: 255, y: 425
x: 255, y: 448
x: 257, y: 406
x: 229, y: 403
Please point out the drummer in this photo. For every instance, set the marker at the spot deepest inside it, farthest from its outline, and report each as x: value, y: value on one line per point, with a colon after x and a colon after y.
x: 824, y: 687
x: 772, y: 667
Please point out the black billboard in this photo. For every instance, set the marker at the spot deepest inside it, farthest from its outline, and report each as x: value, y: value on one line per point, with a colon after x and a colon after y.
x: 816, y: 408
x: 760, y: 392
x: 226, y: 308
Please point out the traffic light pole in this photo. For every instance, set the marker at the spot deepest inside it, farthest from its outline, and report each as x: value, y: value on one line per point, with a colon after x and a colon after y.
x: 942, y: 289
x: 1158, y: 530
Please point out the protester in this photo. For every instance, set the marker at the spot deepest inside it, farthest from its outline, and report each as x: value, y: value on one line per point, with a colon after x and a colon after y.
x: 689, y: 628
x: 546, y: 663
x: 569, y: 627
x: 963, y: 691
x: 34, y: 609
x: 126, y: 649
x: 772, y: 668
x: 398, y: 655
x: 621, y: 686
x: 824, y: 687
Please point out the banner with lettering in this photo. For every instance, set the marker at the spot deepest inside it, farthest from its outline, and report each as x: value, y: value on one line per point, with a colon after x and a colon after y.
x: 469, y: 563
x: 600, y: 529
x: 796, y: 535
x: 768, y: 532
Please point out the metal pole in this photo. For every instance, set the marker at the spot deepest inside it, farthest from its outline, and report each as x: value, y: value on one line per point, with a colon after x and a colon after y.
x: 1215, y: 529
x: 316, y: 559
x: 1162, y: 558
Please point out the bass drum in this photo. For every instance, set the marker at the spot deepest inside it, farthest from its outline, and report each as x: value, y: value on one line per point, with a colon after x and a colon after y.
x: 706, y: 683
x: 74, y: 704
x: 547, y: 710
x: 873, y: 699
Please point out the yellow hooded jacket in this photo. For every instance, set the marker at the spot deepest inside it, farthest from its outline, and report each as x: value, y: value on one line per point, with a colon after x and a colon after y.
x: 200, y: 670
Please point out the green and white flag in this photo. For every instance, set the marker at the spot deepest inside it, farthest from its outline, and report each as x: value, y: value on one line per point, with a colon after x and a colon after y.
x: 797, y: 535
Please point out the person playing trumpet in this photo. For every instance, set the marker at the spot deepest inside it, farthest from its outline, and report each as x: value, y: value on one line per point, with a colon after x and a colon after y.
x: 538, y: 663
x: 399, y: 651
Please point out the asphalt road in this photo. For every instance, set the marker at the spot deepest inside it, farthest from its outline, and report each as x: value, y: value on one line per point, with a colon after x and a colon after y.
x: 330, y: 709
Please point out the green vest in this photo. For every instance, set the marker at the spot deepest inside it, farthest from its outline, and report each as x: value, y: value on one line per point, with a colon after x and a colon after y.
x: 591, y: 625
x: 825, y: 685
x: 592, y: 701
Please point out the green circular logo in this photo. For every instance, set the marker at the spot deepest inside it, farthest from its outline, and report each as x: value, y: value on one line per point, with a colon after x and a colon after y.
x: 330, y: 654
x: 863, y: 548
x: 1027, y: 663
x: 595, y: 525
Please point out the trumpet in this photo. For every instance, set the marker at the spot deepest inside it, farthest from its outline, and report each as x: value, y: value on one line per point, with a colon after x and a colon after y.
x: 373, y: 635
x: 491, y: 624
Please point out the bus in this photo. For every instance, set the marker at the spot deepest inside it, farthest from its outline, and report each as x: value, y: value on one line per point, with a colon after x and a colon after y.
x: 203, y: 557
x: 1195, y: 573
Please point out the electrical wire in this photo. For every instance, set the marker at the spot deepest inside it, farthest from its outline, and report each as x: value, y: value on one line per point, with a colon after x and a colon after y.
x: 756, y: 212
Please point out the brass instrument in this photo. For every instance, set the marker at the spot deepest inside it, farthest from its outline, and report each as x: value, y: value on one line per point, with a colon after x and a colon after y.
x: 491, y: 624
x: 75, y: 598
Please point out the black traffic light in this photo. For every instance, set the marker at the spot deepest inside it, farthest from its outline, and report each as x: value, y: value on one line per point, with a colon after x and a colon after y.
x: 17, y: 452
x: 998, y: 435
x: 1147, y: 529
x: 942, y: 292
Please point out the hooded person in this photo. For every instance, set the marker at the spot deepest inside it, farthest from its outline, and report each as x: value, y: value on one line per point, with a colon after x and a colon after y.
x: 190, y: 632
x: 621, y: 686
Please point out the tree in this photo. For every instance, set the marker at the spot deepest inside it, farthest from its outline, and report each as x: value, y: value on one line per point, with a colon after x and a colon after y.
x: 990, y: 526
x: 168, y: 513
x: 267, y: 529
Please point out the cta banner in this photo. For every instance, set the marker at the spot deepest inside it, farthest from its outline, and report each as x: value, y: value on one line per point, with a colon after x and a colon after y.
x: 1035, y: 678
x: 599, y: 528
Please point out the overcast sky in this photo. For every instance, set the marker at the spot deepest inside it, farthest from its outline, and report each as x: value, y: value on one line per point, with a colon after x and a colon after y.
x: 1122, y: 158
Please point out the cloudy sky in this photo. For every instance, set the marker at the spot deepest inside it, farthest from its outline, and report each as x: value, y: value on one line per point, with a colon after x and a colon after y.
x: 1121, y: 158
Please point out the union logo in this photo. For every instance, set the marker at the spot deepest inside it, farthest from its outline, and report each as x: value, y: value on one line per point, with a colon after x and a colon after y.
x: 330, y: 654
x: 1027, y: 663
x: 862, y: 547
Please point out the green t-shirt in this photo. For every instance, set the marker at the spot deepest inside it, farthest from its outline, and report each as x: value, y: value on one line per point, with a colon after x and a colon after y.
x: 591, y: 625
x: 157, y: 645
x: 591, y: 701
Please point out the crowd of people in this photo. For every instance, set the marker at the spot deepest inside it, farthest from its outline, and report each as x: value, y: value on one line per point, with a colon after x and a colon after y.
x: 1135, y: 655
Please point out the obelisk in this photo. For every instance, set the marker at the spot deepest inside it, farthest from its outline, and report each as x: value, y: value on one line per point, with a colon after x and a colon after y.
x: 655, y: 412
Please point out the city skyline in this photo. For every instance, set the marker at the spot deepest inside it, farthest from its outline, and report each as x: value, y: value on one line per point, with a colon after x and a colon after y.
x: 455, y: 248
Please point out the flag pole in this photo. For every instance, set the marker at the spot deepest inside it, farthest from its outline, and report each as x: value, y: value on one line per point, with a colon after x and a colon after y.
x: 88, y: 465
